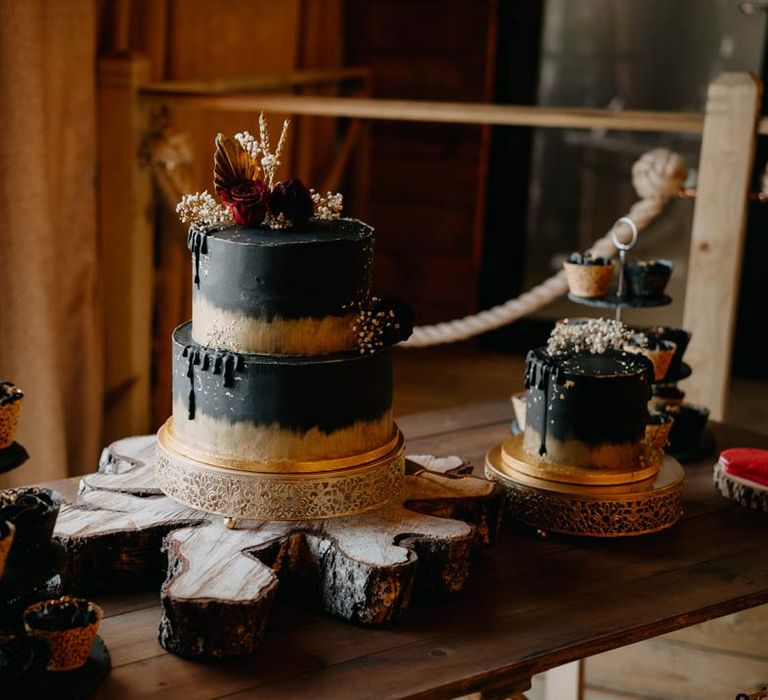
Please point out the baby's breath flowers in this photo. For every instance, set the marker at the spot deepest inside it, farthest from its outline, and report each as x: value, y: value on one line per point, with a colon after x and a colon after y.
x: 202, y: 207
x: 382, y: 323
x: 328, y: 205
x: 593, y: 335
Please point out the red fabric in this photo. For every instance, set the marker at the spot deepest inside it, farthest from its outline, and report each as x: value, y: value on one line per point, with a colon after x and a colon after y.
x: 746, y: 463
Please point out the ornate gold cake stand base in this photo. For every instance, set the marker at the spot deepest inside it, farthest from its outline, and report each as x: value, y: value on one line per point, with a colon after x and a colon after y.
x: 273, y: 495
x: 615, y: 510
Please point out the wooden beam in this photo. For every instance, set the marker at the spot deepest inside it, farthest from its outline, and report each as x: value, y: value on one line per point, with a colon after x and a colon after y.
x: 717, y: 239
x: 276, y: 81
x: 125, y: 231
x: 438, y: 111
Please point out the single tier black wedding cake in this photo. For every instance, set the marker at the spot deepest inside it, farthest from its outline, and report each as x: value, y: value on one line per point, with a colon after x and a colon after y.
x: 587, y: 401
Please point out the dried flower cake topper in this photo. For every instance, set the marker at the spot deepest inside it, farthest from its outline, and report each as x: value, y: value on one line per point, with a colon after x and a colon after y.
x: 244, y: 170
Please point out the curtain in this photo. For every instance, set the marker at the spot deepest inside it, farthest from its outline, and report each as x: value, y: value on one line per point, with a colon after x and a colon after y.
x: 50, y: 338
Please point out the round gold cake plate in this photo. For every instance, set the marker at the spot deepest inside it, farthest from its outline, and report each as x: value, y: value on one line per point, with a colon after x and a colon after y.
x: 514, y: 456
x: 246, y: 495
x: 620, y: 510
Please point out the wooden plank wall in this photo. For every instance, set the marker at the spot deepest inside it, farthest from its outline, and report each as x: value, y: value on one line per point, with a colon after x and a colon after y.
x: 207, y: 39
x: 427, y: 180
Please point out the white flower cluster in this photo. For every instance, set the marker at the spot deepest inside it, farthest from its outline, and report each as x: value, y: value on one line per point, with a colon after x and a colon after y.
x: 371, y: 324
x: 328, y: 205
x: 255, y: 147
x: 593, y: 335
x: 203, y: 208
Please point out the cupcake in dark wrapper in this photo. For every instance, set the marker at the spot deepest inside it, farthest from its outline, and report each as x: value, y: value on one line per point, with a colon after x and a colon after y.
x: 69, y: 625
x: 648, y: 278
x: 33, y: 511
x: 688, y: 427
x: 10, y: 406
x: 588, y: 276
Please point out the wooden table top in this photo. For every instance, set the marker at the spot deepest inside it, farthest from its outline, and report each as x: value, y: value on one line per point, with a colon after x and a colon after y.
x: 530, y: 604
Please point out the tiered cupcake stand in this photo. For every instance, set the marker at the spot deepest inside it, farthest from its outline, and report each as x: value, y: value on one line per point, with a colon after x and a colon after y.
x: 636, y: 500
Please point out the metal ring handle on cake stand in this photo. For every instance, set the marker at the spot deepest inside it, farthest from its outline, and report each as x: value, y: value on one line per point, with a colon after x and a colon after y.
x: 623, y: 248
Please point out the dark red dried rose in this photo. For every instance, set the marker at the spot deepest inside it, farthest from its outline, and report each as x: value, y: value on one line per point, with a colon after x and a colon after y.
x: 247, y: 201
x: 291, y: 199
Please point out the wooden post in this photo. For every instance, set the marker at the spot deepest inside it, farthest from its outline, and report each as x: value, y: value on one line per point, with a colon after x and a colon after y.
x: 125, y: 231
x: 717, y: 241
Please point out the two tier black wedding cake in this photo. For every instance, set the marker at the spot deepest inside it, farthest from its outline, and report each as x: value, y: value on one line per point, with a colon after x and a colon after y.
x: 282, y: 381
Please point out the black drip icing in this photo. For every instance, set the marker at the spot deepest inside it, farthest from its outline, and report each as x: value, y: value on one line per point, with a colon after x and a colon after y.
x: 216, y: 361
x: 539, y: 374
x: 197, y: 242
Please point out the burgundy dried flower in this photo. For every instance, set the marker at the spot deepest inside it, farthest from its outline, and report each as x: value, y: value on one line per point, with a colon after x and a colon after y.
x: 247, y: 201
x: 293, y: 200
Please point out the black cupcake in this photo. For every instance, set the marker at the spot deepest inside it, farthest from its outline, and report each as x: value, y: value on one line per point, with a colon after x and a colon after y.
x: 33, y: 511
x: 688, y: 426
x: 648, y: 278
x: 23, y: 660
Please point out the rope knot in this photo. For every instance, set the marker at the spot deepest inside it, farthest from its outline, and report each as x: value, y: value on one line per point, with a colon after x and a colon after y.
x: 659, y: 174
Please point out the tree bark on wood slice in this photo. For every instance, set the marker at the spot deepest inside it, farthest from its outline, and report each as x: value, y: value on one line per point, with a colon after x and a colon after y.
x: 220, y: 583
x: 739, y: 490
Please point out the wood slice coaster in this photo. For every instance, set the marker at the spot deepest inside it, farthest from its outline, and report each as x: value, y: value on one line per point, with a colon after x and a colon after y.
x: 220, y: 584
x: 744, y: 492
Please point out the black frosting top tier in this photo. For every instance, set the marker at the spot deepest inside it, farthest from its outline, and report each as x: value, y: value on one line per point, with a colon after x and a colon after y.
x: 593, y: 398
x: 611, y: 363
x: 319, y: 270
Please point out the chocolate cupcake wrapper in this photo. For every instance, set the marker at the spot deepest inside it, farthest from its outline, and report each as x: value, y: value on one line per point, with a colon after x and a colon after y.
x: 588, y: 280
x: 9, y: 419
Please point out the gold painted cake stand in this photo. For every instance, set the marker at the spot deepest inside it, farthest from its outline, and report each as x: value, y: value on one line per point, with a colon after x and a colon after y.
x: 639, y: 506
x: 288, y: 495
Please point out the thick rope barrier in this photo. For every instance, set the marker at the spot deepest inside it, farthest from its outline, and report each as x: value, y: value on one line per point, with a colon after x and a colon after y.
x: 657, y: 177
